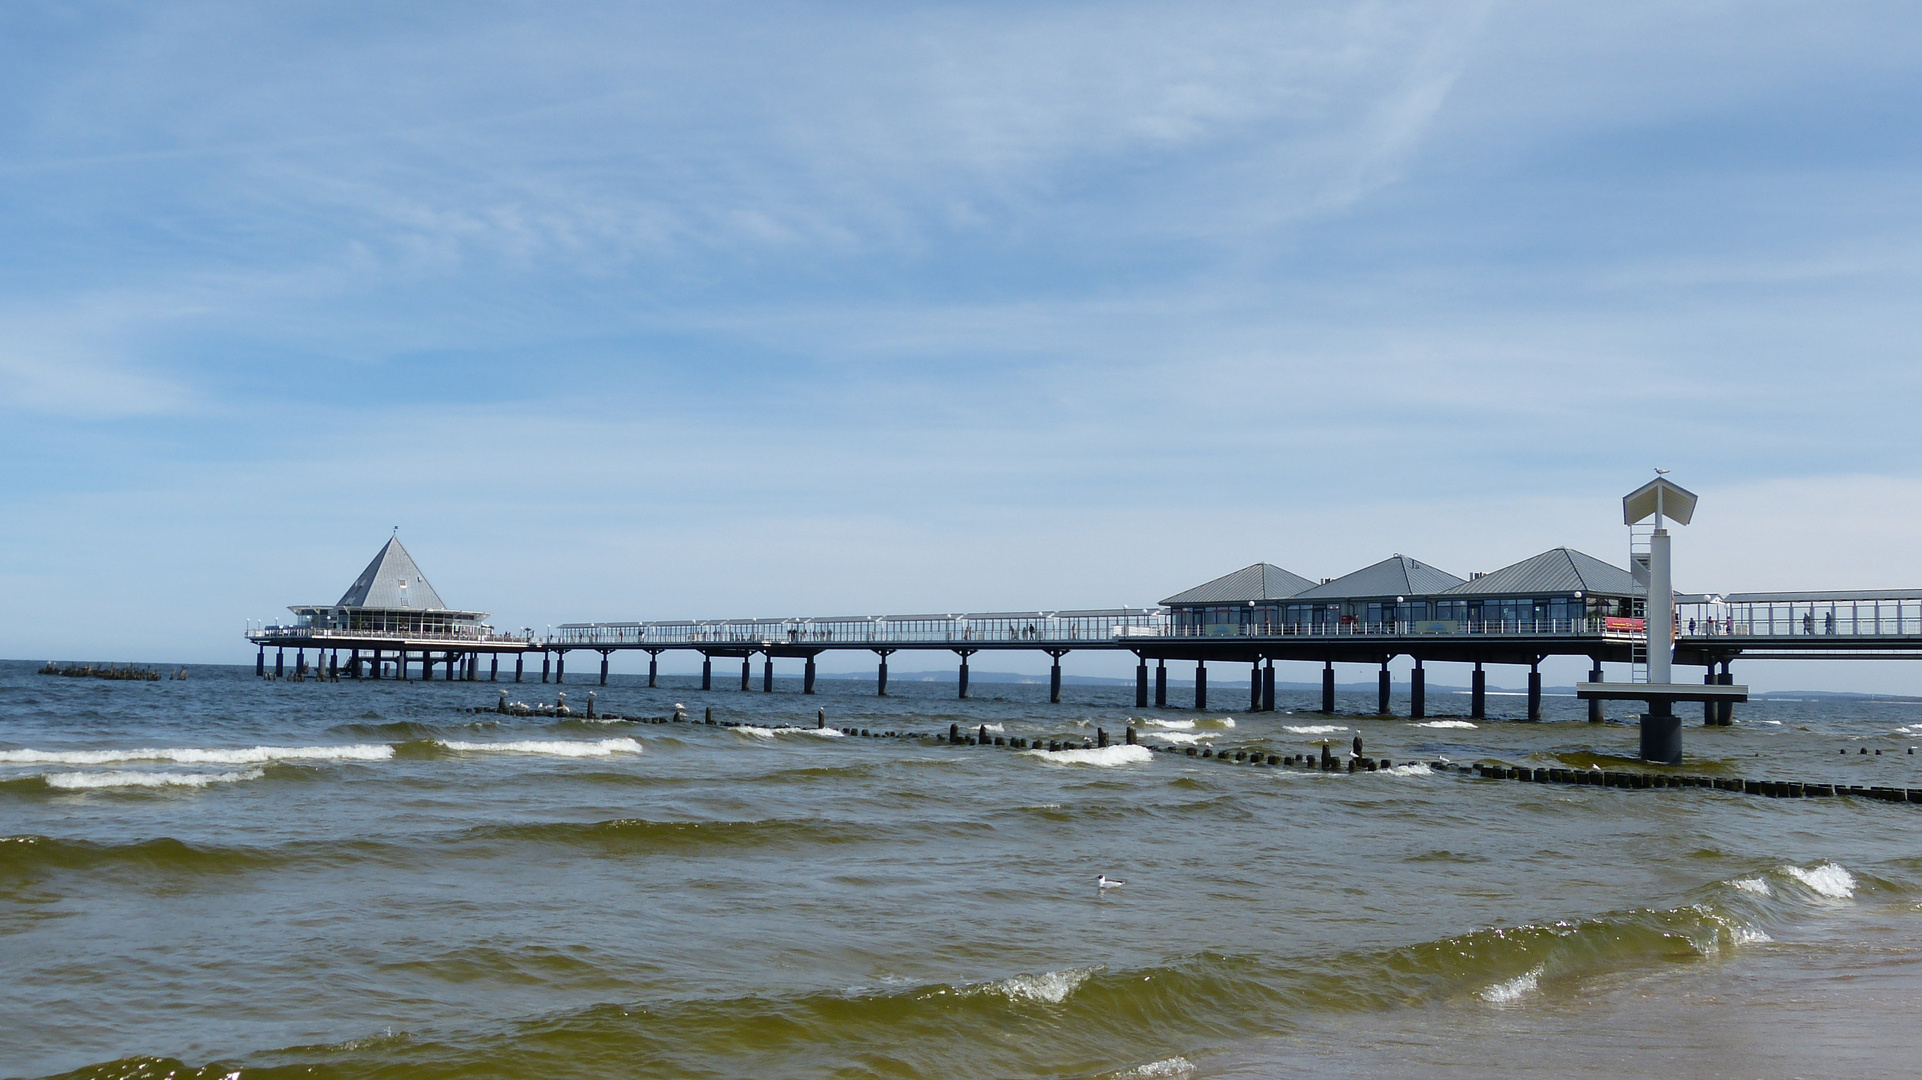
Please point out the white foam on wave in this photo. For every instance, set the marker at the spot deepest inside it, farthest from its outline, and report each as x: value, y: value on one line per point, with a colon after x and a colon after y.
x: 1418, y: 768
x: 254, y: 755
x: 769, y: 733
x: 1314, y: 729
x: 994, y: 727
x: 1121, y: 754
x: 1753, y: 885
x: 1513, y: 990
x: 1217, y: 722
x: 1052, y: 987
x: 1827, y: 880
x: 1182, y: 737
x: 1155, y: 1070
x: 83, y: 781
x: 1446, y: 724
x: 550, y: 747
x: 1749, y: 935
x: 1174, y: 725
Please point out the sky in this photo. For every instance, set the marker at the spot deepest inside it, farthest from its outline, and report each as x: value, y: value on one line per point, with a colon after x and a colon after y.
x: 635, y: 311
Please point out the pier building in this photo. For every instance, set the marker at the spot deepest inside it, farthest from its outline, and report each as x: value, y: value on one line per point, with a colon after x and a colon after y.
x: 393, y: 616
x: 1246, y: 601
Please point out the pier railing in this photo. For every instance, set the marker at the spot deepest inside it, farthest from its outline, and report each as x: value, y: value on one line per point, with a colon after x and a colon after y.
x: 1040, y: 628
x: 268, y: 635
x: 1834, y: 614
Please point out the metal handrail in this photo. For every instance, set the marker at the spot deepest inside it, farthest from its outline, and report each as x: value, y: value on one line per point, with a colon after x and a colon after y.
x: 484, y: 635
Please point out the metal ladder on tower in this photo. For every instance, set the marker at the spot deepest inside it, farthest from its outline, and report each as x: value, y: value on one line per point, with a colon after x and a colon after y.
x: 1638, y: 554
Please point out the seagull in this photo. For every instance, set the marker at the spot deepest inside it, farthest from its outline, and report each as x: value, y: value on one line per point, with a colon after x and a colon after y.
x: 1103, y: 881
x: 1659, y: 471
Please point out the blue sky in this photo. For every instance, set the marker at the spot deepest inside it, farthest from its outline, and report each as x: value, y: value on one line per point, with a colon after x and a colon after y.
x: 628, y: 311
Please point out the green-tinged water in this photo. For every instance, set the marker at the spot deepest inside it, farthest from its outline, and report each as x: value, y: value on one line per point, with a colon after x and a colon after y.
x: 360, y: 879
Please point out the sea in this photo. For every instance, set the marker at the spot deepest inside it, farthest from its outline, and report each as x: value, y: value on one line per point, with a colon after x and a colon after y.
x: 224, y: 876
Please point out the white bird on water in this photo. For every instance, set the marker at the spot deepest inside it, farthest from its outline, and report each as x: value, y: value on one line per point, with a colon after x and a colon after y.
x: 1103, y: 881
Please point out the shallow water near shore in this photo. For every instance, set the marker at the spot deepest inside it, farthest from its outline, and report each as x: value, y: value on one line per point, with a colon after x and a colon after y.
x: 361, y: 879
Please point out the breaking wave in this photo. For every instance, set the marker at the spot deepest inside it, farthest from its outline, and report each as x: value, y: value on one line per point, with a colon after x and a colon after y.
x: 1444, y: 724
x: 571, y: 748
x: 1314, y: 729
x: 769, y: 733
x: 256, y: 755
x: 1122, y: 754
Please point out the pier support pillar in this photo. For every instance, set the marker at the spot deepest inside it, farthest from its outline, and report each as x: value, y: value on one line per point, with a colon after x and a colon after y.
x: 1725, y: 714
x: 377, y: 663
x: 1201, y: 685
x: 1418, y: 691
x: 1595, y: 704
x: 452, y: 659
x: 1141, y: 682
x: 353, y: 664
x: 1054, y: 677
x: 260, y: 662
x: 280, y: 662
x: 1161, y: 684
x: 1711, y: 710
x: 1328, y: 686
x: 1661, y: 734
x: 560, y: 666
x: 1535, y: 691
x: 1268, y: 686
x: 333, y: 664
x: 604, y: 655
x: 747, y: 672
x: 653, y: 667
x: 494, y: 668
x: 807, y: 677
x: 1254, y: 687
x: 767, y: 674
x: 519, y: 659
x: 546, y: 659
x: 1382, y: 688
x: 1478, y: 693
x: 964, y: 676
x: 881, y: 677
x: 707, y: 672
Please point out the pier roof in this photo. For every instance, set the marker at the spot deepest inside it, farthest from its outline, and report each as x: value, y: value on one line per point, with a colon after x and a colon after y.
x: 1262, y: 581
x: 1397, y: 575
x: 1558, y: 570
x: 392, y: 581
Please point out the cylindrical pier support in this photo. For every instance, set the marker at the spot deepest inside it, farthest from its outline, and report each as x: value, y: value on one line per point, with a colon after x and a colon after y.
x: 1254, y: 687
x: 1711, y: 710
x: 1478, y: 693
x: 1382, y: 688
x: 881, y: 678
x: 747, y: 671
x: 1201, y: 685
x: 1141, y: 682
x: 1725, y: 716
x: 604, y: 655
x: 560, y: 666
x: 1595, y: 704
x: 546, y: 659
x: 1535, y: 691
x: 1268, y: 687
x: 963, y: 677
x: 260, y: 662
x: 280, y: 662
x: 518, y: 658
x: 377, y: 662
x: 1418, y: 692
x: 1661, y: 734
x: 1054, y: 680
x: 494, y: 668
x: 707, y: 672
x: 807, y: 676
x: 1328, y: 686
x: 1161, y: 684
x: 767, y: 674
x: 653, y: 668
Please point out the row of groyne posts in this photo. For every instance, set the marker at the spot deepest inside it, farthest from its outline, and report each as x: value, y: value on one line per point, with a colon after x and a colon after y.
x: 465, y: 666
x: 1324, y: 760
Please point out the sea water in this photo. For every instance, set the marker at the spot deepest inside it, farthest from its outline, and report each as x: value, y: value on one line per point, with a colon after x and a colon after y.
x: 226, y: 874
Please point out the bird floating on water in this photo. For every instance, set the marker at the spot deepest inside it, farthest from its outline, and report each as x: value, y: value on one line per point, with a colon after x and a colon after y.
x: 1103, y: 881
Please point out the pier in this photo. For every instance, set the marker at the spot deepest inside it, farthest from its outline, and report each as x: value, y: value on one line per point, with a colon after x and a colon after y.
x: 1562, y: 602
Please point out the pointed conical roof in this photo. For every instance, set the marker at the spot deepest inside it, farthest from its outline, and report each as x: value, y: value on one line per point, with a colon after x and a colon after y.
x: 1262, y: 581
x: 392, y: 581
x: 1558, y: 570
x: 1397, y: 575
